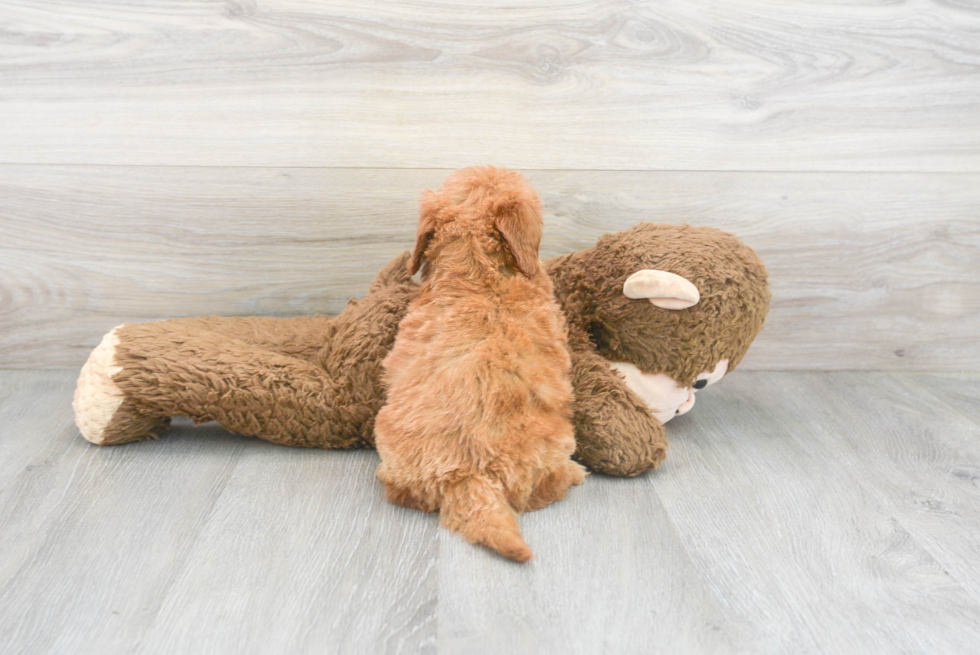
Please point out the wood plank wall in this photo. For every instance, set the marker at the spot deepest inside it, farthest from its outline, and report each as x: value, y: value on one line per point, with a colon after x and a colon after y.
x: 181, y: 157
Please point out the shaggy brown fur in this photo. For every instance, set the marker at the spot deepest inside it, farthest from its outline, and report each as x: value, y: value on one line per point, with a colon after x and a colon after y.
x: 477, y: 422
x: 316, y: 381
x: 682, y: 343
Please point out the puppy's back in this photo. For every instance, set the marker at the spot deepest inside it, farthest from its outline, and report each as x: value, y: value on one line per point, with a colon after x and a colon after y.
x: 478, y: 398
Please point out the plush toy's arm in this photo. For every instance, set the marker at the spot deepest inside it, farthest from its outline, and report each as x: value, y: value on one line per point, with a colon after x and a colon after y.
x: 615, y: 432
x: 394, y: 273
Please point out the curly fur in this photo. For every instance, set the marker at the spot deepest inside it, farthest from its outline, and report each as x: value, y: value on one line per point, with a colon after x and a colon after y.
x: 477, y: 421
x: 316, y: 381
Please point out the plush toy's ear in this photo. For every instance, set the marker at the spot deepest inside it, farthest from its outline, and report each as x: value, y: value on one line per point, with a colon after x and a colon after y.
x: 429, y: 206
x: 663, y: 289
x: 519, y: 223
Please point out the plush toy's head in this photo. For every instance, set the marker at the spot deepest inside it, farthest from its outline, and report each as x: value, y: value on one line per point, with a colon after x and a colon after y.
x: 673, y: 307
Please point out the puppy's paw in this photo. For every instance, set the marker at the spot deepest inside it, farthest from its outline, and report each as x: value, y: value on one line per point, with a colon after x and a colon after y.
x: 555, y: 485
x: 406, y: 498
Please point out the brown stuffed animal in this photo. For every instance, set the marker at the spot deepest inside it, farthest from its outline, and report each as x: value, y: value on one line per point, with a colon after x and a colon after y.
x: 654, y: 313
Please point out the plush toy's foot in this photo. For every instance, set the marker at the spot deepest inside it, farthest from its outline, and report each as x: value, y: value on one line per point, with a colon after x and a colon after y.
x: 103, y: 414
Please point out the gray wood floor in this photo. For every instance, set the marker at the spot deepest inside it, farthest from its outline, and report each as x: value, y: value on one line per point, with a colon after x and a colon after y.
x: 798, y: 512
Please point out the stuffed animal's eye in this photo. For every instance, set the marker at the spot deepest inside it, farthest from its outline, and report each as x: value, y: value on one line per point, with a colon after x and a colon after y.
x: 596, y: 334
x: 700, y: 384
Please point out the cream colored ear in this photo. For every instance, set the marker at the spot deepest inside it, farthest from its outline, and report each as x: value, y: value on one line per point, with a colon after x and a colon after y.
x: 663, y: 289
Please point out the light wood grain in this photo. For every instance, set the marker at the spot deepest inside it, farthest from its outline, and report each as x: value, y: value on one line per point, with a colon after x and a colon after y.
x: 798, y: 550
x: 671, y: 85
x: 603, y: 580
x: 959, y: 393
x: 201, y: 542
x: 810, y: 485
x: 869, y: 271
x: 302, y: 554
x: 797, y: 512
x: 911, y: 449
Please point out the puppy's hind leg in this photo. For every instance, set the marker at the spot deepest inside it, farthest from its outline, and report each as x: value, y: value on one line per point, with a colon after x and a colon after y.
x: 555, y: 484
x: 407, y: 498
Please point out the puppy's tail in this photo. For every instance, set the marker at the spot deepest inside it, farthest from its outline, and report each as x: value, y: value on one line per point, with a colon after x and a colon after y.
x: 477, y: 508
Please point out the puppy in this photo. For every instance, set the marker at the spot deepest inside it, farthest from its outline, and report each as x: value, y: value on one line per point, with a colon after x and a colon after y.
x: 477, y: 421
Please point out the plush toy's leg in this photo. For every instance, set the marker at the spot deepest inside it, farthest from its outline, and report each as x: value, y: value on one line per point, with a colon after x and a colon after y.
x: 615, y: 432
x: 143, y: 373
x: 312, y: 381
x: 299, y: 336
x: 103, y: 414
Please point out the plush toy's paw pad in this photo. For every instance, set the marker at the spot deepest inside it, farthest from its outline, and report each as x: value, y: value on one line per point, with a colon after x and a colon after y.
x: 102, y: 413
x: 97, y: 398
x: 658, y: 454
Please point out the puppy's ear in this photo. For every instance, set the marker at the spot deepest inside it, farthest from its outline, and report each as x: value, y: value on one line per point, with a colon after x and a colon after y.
x: 519, y: 223
x: 429, y: 206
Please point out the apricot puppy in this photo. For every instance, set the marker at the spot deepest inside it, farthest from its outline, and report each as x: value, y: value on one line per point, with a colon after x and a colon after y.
x: 477, y: 421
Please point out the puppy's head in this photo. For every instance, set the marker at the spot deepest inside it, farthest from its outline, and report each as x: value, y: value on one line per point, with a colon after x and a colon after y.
x: 495, y: 206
